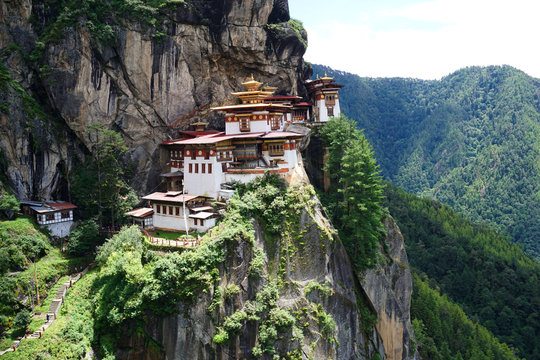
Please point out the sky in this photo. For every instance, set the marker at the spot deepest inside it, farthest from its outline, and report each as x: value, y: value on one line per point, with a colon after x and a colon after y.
x: 425, y: 39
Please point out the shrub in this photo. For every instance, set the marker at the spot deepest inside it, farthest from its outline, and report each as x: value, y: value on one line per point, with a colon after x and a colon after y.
x: 84, y: 238
x: 21, y: 321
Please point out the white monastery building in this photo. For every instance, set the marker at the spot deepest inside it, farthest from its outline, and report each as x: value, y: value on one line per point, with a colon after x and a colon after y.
x: 253, y: 143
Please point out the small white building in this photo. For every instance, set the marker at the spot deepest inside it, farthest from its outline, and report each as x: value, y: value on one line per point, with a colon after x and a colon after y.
x: 57, y: 216
x: 168, y: 211
x: 143, y: 217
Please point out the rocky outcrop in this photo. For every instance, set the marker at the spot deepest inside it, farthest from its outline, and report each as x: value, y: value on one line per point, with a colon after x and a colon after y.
x: 145, y: 84
x: 317, y: 280
x: 389, y: 287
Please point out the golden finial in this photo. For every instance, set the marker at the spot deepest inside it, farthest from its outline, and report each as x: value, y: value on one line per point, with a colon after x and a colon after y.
x: 317, y: 76
x: 252, y: 77
x: 325, y: 74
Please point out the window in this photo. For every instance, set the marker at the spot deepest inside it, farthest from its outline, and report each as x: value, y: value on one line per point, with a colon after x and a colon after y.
x: 209, y: 168
x: 158, y: 209
x: 202, y: 222
x: 244, y: 124
x: 193, y: 154
x: 50, y: 217
x: 65, y: 215
x: 203, y: 168
x: 275, y: 149
x: 196, y: 168
x: 177, y: 211
x: 274, y: 123
x: 190, y: 168
x: 330, y: 111
x: 207, y: 154
x: 170, y: 210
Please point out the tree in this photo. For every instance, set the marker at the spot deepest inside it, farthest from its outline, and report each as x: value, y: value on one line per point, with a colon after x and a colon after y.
x: 356, y: 190
x: 84, y: 238
x: 9, y: 205
x: 21, y: 321
x: 100, y: 183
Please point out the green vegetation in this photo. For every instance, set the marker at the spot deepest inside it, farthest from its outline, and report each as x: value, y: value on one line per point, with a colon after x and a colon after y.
x: 444, y: 332
x: 494, y: 281
x: 9, y: 205
x: 469, y: 140
x: 355, y: 195
x: 71, y: 335
x: 84, y: 238
x: 100, y: 184
x: 30, y: 266
x: 20, y: 242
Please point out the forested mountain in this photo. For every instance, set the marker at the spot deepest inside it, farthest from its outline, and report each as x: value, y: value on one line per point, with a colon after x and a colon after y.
x: 494, y: 281
x: 470, y: 140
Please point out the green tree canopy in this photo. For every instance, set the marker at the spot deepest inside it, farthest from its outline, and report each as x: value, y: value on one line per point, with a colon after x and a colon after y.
x: 99, y: 183
x: 355, y: 195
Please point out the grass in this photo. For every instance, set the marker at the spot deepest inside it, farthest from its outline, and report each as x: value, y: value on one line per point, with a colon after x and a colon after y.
x: 70, y: 336
x: 23, y: 225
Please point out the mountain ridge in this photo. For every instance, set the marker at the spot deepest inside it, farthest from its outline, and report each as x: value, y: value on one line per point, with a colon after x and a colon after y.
x: 469, y: 140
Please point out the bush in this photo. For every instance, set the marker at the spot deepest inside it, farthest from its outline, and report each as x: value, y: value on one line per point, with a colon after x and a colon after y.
x: 21, y: 321
x: 9, y: 205
x: 83, y: 239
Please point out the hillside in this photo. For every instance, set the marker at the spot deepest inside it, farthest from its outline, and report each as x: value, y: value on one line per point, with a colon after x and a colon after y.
x: 494, y: 281
x: 470, y: 140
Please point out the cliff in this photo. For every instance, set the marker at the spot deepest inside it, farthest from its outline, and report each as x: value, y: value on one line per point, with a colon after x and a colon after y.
x: 303, y: 301
x: 144, y: 74
x: 147, y: 76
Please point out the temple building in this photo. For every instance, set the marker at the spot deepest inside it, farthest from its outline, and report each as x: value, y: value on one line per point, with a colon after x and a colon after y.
x: 325, y: 99
x: 203, y: 162
x: 253, y: 142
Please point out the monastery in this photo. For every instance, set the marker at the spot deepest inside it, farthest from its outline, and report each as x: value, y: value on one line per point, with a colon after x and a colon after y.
x: 204, y: 162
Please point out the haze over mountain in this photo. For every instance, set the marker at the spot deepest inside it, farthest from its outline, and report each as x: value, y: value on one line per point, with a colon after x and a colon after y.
x: 470, y: 140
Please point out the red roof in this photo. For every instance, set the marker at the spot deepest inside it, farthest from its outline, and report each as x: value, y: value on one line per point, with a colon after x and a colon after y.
x: 62, y: 205
x: 199, y: 133
x: 302, y: 104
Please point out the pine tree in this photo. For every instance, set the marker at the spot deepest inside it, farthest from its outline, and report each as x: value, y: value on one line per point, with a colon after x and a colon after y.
x: 356, y: 190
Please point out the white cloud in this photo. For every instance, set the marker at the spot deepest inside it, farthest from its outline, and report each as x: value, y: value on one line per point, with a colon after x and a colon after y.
x: 469, y: 32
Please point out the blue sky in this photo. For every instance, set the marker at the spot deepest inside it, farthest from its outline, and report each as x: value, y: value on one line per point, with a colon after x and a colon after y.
x: 425, y: 39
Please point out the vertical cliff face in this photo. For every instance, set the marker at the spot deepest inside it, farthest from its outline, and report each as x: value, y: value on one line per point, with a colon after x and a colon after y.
x: 389, y: 288
x: 330, y: 316
x: 142, y: 83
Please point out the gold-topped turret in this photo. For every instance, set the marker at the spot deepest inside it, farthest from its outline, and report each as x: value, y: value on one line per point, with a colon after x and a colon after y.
x: 252, y: 84
x: 326, y: 77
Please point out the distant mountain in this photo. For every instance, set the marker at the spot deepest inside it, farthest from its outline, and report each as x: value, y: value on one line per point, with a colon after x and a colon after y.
x: 494, y: 282
x: 470, y: 140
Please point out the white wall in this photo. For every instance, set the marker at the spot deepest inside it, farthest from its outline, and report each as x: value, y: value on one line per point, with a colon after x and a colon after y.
x: 323, y: 112
x: 337, y: 109
x: 243, y: 178
x: 60, y: 229
x: 170, y: 221
x: 208, y: 224
x: 203, y: 184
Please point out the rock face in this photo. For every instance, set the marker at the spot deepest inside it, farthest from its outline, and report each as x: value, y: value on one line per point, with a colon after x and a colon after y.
x: 145, y: 86
x: 389, y: 287
x: 316, y: 257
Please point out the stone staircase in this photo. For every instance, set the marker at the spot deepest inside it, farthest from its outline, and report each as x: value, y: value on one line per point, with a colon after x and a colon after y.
x: 55, y: 306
